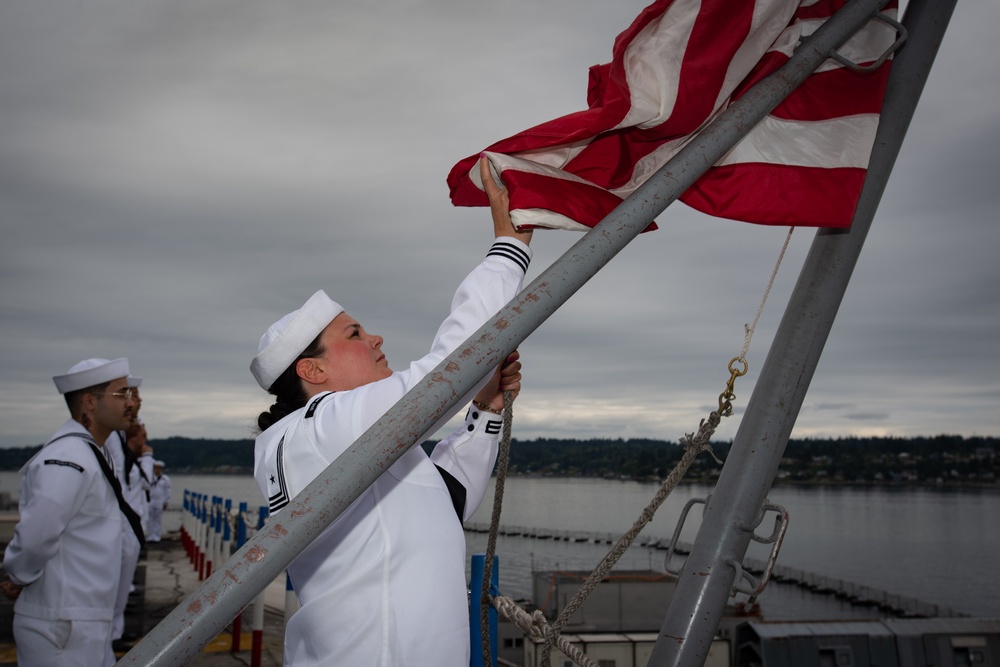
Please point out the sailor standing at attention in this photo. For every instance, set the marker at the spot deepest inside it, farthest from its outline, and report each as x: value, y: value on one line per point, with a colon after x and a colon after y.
x: 64, y: 559
x: 159, y: 501
x: 133, y: 468
x: 384, y: 585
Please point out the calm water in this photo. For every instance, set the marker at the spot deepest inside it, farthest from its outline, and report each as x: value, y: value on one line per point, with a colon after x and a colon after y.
x: 938, y: 546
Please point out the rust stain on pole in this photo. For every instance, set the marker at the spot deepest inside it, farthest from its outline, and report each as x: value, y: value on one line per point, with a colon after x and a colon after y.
x: 255, y: 554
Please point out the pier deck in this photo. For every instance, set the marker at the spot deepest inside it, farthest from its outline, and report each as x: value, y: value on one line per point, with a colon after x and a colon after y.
x: 164, y: 578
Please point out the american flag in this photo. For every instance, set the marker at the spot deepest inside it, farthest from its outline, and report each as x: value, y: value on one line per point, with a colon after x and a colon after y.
x: 678, y: 66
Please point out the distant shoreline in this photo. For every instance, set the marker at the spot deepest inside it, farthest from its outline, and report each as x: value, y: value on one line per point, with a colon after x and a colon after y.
x: 832, y: 484
x: 935, y: 462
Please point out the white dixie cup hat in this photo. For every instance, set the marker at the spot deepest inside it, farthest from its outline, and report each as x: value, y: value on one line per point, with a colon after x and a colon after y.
x: 286, y: 339
x: 91, y: 372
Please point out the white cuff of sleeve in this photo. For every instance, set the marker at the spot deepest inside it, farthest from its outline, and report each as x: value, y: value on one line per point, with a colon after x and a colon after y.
x: 479, y: 422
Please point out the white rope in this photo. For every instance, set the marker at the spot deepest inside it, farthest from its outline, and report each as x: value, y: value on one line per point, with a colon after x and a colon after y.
x: 749, y: 328
x: 536, y: 627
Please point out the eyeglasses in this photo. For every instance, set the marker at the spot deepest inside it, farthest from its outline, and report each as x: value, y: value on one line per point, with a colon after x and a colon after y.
x: 125, y: 394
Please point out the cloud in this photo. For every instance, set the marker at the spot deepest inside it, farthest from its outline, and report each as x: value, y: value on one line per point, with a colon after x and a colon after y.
x: 866, y: 416
x: 175, y: 176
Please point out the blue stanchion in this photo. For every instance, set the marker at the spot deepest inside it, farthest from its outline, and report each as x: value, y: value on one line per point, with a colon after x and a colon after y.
x: 475, y: 600
x: 241, y: 526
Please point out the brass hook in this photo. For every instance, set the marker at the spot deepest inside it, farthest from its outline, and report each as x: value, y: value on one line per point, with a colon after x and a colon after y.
x: 726, y: 397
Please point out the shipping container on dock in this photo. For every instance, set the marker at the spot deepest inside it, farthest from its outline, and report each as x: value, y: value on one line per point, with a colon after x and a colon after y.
x: 947, y: 642
x: 815, y: 644
x: 908, y: 642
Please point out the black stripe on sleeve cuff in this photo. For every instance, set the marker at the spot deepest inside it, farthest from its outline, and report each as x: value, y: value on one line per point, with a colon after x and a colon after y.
x: 511, y: 252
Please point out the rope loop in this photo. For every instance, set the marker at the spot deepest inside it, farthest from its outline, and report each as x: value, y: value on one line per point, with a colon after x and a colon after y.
x: 535, y: 625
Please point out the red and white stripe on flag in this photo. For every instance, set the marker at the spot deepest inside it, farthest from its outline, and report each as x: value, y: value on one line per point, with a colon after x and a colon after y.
x: 679, y: 65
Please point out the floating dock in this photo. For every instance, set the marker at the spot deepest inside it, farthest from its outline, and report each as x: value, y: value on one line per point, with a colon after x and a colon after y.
x: 856, y: 594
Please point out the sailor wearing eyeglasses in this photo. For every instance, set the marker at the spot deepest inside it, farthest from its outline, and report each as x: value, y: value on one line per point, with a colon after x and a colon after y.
x: 64, y: 560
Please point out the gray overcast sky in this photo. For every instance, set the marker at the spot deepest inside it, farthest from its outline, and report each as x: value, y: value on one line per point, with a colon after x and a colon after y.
x: 176, y: 175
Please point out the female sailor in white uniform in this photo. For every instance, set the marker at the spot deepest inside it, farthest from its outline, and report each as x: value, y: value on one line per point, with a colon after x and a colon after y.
x: 385, y: 583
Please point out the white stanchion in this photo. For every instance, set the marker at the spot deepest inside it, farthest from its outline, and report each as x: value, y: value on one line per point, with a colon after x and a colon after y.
x: 209, y: 527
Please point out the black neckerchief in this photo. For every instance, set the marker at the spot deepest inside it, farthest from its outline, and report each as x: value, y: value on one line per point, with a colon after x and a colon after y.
x: 130, y: 514
x: 130, y: 460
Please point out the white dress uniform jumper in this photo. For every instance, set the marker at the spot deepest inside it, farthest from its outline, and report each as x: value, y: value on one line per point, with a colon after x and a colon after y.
x: 385, y: 585
x: 66, y: 552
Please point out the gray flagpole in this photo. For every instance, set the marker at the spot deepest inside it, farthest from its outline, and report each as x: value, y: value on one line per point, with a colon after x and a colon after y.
x: 230, y: 588
x: 733, y: 510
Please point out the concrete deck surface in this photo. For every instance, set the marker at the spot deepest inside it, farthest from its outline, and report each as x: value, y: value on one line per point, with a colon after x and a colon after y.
x: 164, y: 578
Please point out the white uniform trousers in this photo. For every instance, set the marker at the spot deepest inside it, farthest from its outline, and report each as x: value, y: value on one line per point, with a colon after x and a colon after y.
x: 62, y: 643
x: 130, y: 559
x: 155, y: 522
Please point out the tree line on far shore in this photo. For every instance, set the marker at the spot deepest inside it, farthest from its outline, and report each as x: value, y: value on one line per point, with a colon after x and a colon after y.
x: 941, y: 459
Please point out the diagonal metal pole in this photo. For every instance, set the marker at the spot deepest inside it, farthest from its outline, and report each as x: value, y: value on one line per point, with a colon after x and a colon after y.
x: 733, y: 510
x: 179, y: 637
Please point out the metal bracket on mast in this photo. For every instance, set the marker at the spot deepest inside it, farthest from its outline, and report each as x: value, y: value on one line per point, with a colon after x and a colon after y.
x: 756, y: 586
x: 865, y: 69
x: 744, y: 582
x: 675, y: 539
